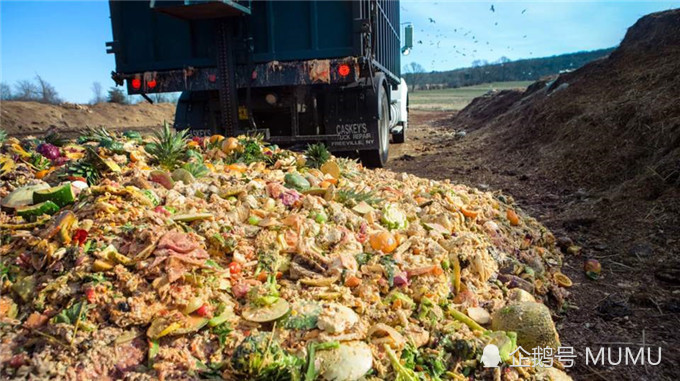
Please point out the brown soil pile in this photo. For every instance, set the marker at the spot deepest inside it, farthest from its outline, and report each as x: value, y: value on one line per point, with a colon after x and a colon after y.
x: 21, y: 118
x: 613, y: 121
x: 483, y: 109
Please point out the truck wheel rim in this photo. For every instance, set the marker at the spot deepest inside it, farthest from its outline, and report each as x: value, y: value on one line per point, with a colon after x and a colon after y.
x: 384, y: 123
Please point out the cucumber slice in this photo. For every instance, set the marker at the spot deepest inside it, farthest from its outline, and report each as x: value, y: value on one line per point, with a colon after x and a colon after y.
x: 296, y: 181
x: 22, y: 196
x: 136, y: 135
x: 47, y: 207
x: 264, y: 314
x: 224, y: 313
x: 61, y: 195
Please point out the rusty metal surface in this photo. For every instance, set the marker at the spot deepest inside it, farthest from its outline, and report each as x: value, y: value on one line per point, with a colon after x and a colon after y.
x: 274, y: 73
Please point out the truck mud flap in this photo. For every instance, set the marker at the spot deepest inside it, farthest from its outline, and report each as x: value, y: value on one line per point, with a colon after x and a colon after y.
x: 350, y: 136
x: 353, y: 115
x: 355, y: 135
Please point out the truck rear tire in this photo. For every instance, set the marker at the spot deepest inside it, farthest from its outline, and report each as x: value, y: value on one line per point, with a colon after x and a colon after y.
x: 377, y: 158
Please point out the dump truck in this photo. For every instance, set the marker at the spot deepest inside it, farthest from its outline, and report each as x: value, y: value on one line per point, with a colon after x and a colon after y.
x: 296, y: 72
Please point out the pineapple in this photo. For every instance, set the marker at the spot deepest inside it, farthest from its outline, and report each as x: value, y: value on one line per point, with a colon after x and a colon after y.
x: 169, y: 147
x: 317, y: 154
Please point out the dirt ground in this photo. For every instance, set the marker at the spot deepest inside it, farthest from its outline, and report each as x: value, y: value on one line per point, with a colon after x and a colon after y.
x: 633, y: 302
x: 23, y: 118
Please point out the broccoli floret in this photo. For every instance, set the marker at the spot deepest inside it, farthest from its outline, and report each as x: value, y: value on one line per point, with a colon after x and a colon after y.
x: 260, y: 357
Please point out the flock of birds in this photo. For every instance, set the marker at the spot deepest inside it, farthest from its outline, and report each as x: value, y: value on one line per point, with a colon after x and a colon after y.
x: 459, y: 49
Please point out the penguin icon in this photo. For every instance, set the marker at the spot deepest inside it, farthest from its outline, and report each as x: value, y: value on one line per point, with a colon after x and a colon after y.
x: 490, y: 356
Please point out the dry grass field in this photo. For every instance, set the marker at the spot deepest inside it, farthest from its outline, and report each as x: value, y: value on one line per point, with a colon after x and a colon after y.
x: 456, y: 99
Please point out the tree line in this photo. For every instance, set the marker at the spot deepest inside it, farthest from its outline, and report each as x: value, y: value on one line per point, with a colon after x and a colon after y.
x: 501, y: 70
x: 39, y: 90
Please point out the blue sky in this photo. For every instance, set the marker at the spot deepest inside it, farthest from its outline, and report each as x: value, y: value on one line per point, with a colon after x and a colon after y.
x: 455, y: 33
x: 64, y: 41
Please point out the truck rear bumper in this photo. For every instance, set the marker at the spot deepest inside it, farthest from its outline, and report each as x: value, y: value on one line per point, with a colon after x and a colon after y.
x: 290, y: 73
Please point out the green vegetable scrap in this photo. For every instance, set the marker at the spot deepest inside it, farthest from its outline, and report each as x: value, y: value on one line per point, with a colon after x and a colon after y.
x: 393, y: 217
x: 260, y: 357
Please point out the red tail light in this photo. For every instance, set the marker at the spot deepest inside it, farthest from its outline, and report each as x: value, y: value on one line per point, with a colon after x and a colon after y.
x: 136, y: 83
x: 343, y: 70
x: 151, y: 84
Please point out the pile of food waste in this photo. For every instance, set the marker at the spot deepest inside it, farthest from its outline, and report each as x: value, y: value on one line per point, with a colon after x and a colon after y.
x: 165, y: 256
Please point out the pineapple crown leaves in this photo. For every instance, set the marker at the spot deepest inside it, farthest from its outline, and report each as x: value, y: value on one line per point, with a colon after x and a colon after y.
x: 317, y: 154
x: 94, y: 135
x: 84, y: 169
x: 350, y: 168
x: 350, y: 197
x: 169, y: 146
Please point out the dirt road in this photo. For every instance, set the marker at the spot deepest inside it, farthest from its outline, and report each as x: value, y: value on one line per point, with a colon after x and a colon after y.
x: 636, y: 300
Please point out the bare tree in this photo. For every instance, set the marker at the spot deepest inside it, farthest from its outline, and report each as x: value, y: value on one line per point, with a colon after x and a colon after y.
x: 97, y: 93
x: 25, y: 90
x: 159, y: 98
x: 46, y: 92
x: 117, y: 95
x: 414, y: 75
x: 5, y: 92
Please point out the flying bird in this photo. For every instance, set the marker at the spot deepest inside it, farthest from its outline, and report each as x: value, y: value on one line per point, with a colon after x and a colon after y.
x: 420, y: 41
x: 492, y: 8
x: 523, y: 11
x: 525, y: 36
x: 431, y: 20
x: 496, y: 23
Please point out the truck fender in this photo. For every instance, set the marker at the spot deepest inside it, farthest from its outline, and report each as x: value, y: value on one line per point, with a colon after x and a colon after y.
x: 380, y: 84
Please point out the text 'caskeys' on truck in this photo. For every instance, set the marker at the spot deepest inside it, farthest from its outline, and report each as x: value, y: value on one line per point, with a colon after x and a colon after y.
x: 298, y: 72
